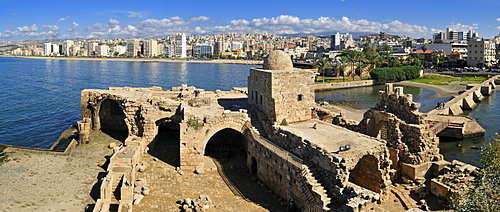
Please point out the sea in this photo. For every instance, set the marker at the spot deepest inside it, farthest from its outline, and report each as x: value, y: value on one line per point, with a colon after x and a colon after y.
x: 40, y: 98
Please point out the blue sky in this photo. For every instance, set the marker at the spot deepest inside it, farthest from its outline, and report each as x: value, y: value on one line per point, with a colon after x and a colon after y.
x: 90, y: 19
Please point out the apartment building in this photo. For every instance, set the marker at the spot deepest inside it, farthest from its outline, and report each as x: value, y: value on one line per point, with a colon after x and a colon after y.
x: 481, y: 52
x: 180, y: 45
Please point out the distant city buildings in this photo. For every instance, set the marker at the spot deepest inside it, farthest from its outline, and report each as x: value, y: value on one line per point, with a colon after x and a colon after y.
x: 340, y: 41
x: 450, y: 34
x: 454, y: 45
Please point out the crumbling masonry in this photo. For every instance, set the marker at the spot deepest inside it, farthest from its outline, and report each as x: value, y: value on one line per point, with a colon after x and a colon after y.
x: 320, y: 165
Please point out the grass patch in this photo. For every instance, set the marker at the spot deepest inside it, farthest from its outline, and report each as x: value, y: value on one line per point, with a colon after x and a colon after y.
x: 435, y: 79
x: 194, y: 124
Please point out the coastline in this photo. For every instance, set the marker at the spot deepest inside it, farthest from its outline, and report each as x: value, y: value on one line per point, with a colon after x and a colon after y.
x: 442, y: 91
x: 224, y: 61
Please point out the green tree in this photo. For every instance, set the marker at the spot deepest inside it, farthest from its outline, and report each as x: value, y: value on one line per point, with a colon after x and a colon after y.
x: 353, y: 57
x: 486, y: 195
x: 322, y: 64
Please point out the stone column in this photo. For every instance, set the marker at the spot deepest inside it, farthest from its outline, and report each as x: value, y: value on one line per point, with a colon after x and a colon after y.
x: 84, y: 128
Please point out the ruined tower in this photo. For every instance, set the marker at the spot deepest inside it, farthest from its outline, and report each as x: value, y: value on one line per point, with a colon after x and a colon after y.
x: 280, y: 92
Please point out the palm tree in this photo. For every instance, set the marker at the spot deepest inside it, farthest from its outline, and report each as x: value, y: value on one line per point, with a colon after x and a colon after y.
x: 322, y: 64
x: 360, y: 58
x: 343, y: 61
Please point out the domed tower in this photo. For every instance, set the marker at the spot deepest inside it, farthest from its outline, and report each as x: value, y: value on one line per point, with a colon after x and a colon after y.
x: 280, y: 92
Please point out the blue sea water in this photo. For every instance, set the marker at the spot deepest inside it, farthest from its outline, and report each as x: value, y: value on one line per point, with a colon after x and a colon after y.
x: 41, y: 98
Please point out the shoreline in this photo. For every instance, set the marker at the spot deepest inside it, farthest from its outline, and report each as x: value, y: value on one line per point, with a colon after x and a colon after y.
x: 223, y: 61
x: 441, y: 91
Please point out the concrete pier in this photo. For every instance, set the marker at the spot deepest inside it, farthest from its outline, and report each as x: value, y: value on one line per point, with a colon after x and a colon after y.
x: 461, y: 126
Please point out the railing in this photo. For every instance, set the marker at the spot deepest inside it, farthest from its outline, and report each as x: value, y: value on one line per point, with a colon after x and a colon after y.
x: 437, y: 126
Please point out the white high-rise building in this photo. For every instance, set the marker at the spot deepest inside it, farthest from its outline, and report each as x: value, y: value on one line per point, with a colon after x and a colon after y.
x: 236, y: 45
x: 48, y: 49
x: 102, y: 50
x: 151, y: 48
x: 133, y: 48
x: 337, y: 39
x: 118, y: 50
x: 180, y: 48
x: 67, y: 47
x: 89, y: 48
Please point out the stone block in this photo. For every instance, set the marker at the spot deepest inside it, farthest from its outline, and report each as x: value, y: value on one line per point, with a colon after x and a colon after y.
x: 439, y: 189
x: 415, y: 171
x: 486, y: 90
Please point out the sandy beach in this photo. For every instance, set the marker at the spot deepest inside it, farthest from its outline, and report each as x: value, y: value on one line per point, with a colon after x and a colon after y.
x: 167, y: 60
x: 442, y: 91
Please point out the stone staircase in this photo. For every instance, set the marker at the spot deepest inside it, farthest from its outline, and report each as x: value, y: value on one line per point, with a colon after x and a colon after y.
x: 313, y: 177
x: 383, y: 132
x: 256, y: 124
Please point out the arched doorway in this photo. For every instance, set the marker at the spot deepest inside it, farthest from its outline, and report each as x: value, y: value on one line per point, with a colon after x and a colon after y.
x: 166, y: 144
x: 227, y: 144
x: 366, y: 174
x: 112, y: 120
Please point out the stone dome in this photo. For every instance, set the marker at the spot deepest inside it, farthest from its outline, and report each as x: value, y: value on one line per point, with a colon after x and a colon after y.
x: 278, y: 60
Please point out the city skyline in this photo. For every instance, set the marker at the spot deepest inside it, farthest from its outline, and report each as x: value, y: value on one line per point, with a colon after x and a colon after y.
x: 26, y: 20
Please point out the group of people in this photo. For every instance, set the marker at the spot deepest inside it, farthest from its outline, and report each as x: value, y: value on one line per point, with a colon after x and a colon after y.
x: 440, y: 105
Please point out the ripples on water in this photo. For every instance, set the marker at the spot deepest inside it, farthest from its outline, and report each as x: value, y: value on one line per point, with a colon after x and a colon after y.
x: 41, y: 98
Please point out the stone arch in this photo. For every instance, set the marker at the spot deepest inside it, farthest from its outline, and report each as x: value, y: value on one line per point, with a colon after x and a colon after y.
x: 367, y: 174
x: 110, y: 119
x: 226, y: 143
x: 196, y: 132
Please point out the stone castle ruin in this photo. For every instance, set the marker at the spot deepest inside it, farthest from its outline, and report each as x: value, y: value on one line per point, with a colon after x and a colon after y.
x: 270, y: 124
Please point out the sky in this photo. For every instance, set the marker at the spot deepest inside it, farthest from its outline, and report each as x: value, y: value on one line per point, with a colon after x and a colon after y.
x: 60, y: 20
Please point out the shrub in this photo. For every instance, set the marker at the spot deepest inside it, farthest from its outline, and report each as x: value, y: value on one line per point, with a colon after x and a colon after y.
x: 395, y: 74
x: 284, y: 122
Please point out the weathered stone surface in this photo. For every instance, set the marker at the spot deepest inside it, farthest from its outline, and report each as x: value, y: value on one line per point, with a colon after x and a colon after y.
x: 395, y: 118
x: 278, y: 60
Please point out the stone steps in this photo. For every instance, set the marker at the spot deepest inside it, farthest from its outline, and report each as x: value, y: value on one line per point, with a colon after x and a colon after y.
x: 256, y: 125
x: 406, y: 200
x: 313, y: 177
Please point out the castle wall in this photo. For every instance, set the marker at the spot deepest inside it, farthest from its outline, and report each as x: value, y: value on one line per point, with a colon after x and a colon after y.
x: 396, y: 119
x: 282, y: 94
x: 336, y: 169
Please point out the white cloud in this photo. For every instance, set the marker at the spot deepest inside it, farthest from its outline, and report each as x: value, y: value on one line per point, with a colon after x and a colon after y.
x: 32, y: 28
x: 133, y: 15
x: 199, y: 19
x: 113, y: 22
x: 284, y: 24
x: 498, y: 19
x: 63, y: 19
x: 50, y: 27
x: 463, y: 28
x: 74, y: 26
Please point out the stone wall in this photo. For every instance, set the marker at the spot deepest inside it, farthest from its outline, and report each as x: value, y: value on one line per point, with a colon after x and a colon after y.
x: 336, y: 169
x: 282, y: 94
x: 342, y: 85
x: 196, y: 131
x: 395, y: 118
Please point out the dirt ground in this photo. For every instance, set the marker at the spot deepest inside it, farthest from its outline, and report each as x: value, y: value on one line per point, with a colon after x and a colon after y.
x: 39, y: 182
